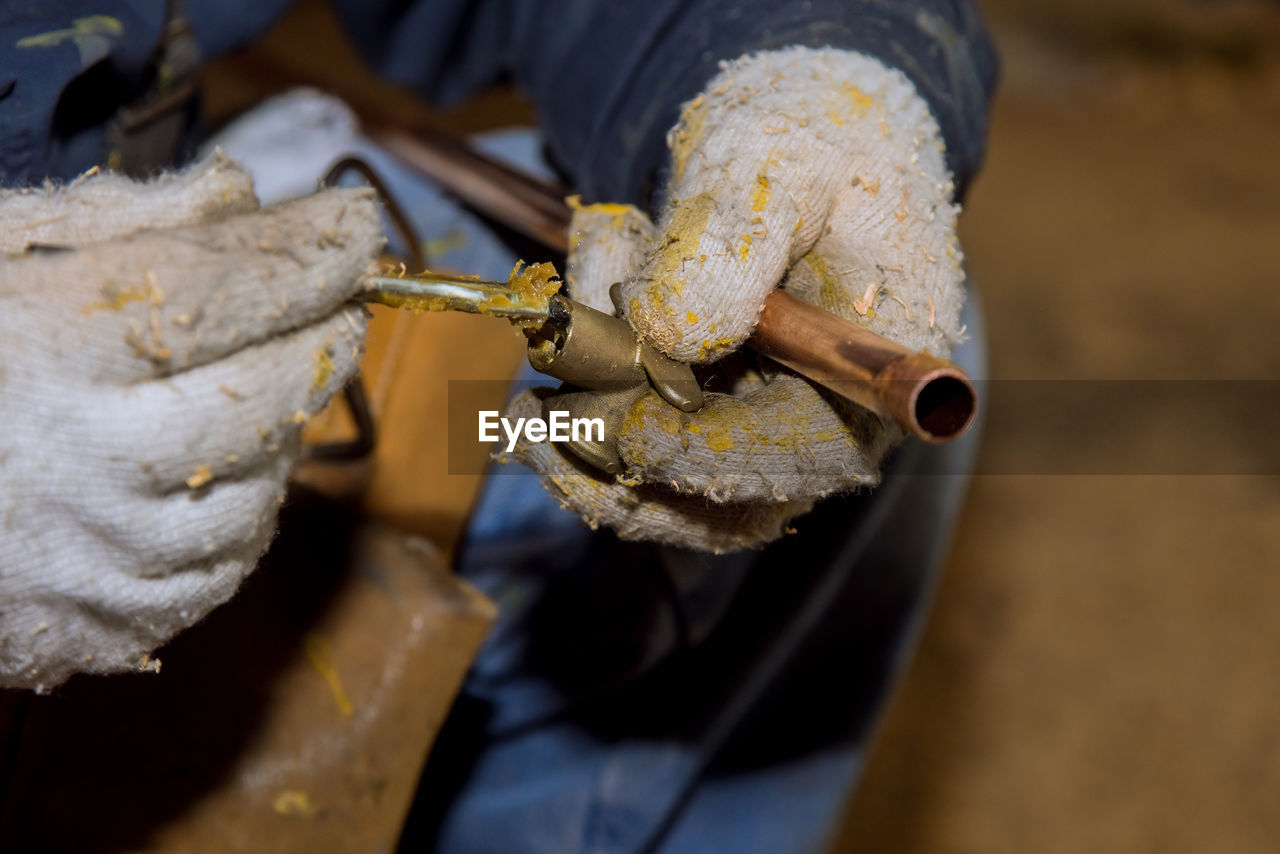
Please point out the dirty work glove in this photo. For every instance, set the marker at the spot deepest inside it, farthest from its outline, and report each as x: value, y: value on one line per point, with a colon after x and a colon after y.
x: 821, y: 170
x: 155, y: 371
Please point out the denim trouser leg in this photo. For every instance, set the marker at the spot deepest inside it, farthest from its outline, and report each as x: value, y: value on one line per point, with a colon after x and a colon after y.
x: 642, y: 698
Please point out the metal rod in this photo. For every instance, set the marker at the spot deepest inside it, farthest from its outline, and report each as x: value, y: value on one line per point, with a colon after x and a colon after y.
x: 929, y: 398
x: 443, y: 292
x: 521, y: 202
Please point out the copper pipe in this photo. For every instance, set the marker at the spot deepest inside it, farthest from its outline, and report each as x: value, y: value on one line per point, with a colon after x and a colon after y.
x: 532, y: 207
x: 930, y: 398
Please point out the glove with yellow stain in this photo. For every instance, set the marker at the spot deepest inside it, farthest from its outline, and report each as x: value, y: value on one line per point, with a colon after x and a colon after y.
x: 822, y: 171
x: 160, y: 346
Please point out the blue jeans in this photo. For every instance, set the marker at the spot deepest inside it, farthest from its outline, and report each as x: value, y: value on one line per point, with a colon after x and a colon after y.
x: 643, y: 698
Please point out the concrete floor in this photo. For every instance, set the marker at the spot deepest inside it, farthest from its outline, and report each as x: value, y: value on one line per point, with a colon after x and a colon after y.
x: 1101, y: 671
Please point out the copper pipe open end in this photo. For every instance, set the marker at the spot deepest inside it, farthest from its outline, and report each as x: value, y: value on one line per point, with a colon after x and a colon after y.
x: 934, y: 400
x: 944, y: 408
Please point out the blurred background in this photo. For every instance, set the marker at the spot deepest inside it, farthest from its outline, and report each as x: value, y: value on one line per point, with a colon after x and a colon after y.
x: 1101, y: 671
x: 1102, y: 668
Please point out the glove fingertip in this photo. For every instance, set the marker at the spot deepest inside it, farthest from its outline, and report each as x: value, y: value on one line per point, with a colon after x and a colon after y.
x: 607, y: 244
x: 705, y: 280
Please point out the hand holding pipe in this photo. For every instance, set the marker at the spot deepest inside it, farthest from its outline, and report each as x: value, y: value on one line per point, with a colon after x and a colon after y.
x: 930, y: 398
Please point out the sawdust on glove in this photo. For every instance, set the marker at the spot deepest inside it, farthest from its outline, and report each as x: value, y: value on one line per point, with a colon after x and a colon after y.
x: 161, y: 345
x: 822, y: 171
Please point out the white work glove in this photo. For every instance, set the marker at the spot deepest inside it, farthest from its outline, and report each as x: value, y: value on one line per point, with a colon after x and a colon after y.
x: 821, y: 170
x: 154, y: 376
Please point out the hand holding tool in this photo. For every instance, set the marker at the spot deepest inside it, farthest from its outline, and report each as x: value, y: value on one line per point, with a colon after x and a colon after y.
x: 586, y: 348
x: 162, y: 344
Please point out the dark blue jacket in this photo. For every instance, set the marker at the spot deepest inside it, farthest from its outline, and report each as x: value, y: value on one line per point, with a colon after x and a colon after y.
x: 607, y: 76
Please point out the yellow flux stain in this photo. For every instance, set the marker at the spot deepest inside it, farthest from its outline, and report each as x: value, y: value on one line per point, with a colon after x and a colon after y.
x: 202, y: 475
x: 321, y: 658
x: 687, y: 133
x: 682, y: 235
x: 534, y: 285
x: 854, y: 104
x: 842, y: 434
x: 830, y: 294
x: 719, y: 440
x: 634, y: 419
x: 760, y: 195
x: 323, y: 369
x: 658, y: 299
x: 690, y: 317
x: 715, y: 426
x: 714, y: 346
x: 293, y: 802
x: 412, y: 303
x: 608, y: 208
x: 535, y: 282
x: 860, y: 101
x: 116, y: 300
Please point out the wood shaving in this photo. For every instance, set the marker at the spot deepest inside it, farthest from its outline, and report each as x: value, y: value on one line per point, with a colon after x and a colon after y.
x: 866, y: 303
